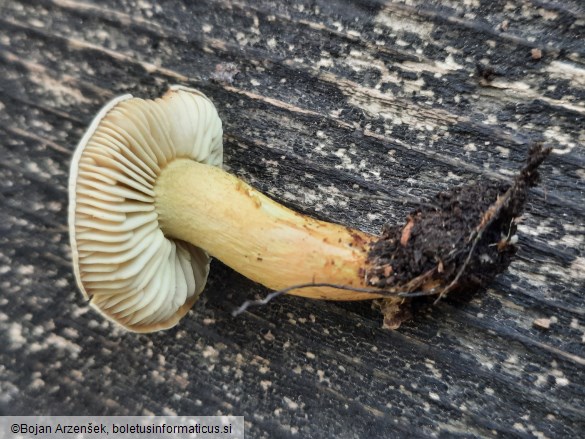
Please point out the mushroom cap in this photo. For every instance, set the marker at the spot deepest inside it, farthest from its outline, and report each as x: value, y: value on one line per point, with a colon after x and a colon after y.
x: 132, y: 273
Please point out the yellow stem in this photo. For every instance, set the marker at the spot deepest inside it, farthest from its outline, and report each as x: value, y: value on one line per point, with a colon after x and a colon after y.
x: 266, y: 242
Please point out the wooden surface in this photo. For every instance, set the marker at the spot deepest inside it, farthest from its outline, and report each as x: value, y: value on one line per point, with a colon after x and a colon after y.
x: 342, y: 110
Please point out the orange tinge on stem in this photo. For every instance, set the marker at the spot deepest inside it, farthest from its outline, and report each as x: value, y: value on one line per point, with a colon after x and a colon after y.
x: 261, y: 239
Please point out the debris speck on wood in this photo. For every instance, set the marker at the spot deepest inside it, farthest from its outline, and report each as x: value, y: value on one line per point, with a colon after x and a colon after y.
x: 225, y: 73
x: 536, y: 53
x: 542, y: 323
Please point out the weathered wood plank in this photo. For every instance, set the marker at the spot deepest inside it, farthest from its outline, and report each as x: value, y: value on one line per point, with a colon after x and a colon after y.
x: 346, y: 110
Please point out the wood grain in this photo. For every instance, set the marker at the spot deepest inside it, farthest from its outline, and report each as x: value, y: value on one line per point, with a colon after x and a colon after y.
x: 345, y: 110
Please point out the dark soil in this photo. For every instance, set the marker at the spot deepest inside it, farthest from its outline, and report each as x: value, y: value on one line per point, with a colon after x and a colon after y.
x: 463, y: 240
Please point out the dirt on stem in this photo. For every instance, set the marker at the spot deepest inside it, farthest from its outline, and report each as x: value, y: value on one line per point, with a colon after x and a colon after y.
x: 460, y: 243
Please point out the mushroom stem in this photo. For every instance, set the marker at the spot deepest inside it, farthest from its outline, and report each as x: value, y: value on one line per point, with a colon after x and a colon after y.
x: 261, y: 239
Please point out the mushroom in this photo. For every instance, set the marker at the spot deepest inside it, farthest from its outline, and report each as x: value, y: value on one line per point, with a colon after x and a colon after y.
x: 149, y: 205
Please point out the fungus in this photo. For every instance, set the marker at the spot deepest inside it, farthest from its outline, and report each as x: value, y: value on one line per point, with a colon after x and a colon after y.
x: 150, y: 204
